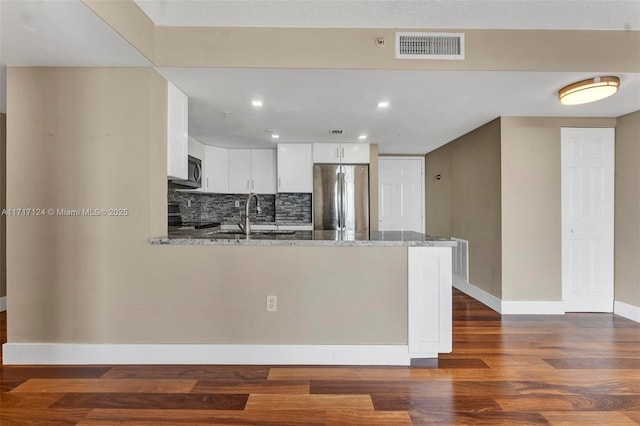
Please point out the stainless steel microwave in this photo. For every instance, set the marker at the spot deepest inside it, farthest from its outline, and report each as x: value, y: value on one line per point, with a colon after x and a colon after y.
x: 194, y: 175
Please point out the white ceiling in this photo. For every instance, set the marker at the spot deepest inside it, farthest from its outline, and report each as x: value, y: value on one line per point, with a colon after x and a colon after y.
x: 508, y: 14
x: 428, y: 108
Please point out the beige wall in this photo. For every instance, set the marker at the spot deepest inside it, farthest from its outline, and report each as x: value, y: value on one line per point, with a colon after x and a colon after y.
x: 350, y: 48
x: 3, y: 192
x: 465, y: 202
x: 531, y: 220
x: 94, y: 138
x: 627, y: 210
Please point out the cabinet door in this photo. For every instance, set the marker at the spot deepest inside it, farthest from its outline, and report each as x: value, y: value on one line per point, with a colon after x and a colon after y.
x: 196, y: 149
x: 354, y: 153
x: 295, y: 168
x: 177, y: 133
x: 239, y: 171
x: 216, y: 170
x: 263, y: 171
x: 326, y: 153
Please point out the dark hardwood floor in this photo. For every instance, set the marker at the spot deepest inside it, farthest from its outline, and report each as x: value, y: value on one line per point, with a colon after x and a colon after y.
x: 576, y: 369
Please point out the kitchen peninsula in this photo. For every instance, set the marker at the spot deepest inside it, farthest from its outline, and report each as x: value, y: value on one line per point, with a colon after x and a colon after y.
x: 415, y: 290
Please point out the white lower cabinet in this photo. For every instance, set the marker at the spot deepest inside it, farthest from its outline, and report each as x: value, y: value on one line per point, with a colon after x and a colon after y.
x: 252, y: 170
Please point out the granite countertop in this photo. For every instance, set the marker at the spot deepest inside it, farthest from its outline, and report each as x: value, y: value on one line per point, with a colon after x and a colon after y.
x: 190, y: 236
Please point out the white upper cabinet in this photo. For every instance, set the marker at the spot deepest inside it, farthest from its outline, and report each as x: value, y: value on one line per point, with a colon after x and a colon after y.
x: 177, y: 133
x: 196, y: 149
x: 336, y: 153
x: 263, y: 171
x: 295, y: 167
x: 354, y: 153
x: 215, y: 178
x: 252, y: 170
x: 239, y: 171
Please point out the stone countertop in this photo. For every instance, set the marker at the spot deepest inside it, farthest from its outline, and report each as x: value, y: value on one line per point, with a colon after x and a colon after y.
x: 186, y: 236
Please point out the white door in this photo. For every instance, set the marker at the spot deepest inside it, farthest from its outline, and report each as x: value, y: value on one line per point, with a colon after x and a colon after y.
x: 401, y: 192
x: 587, y: 219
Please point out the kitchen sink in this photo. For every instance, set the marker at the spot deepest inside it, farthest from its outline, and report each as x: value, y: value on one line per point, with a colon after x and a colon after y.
x: 237, y: 234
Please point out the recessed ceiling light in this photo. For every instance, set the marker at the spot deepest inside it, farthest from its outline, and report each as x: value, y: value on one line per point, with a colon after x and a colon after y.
x: 383, y: 104
x: 275, y: 136
x: 256, y: 103
x: 362, y: 137
x: 590, y: 90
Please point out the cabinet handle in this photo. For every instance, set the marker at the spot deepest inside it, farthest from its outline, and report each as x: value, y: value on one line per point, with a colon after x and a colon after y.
x: 251, y: 183
x: 247, y: 183
x: 337, y: 152
x: 207, y: 183
x: 343, y: 152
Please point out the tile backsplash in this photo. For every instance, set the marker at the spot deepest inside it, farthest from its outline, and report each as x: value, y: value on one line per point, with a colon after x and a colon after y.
x: 284, y: 208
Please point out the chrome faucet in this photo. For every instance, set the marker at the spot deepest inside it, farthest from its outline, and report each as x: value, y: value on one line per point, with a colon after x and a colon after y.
x: 246, y: 227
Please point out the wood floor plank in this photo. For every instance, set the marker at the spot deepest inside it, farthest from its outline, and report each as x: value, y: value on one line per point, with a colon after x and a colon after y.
x: 9, y: 384
x: 509, y: 361
x: 551, y: 376
x: 309, y: 402
x: 153, y: 400
x: 251, y: 386
x: 609, y: 418
x: 52, y: 372
x: 633, y: 415
x: 412, y: 388
x: 348, y: 373
x: 106, y: 386
x: 588, y: 388
x: 362, y: 417
x: 230, y: 372
x: 173, y: 417
x: 27, y: 400
x: 435, y: 403
x: 448, y: 363
x: 594, y: 363
x: 41, y: 417
x: 488, y: 418
x: 541, y: 403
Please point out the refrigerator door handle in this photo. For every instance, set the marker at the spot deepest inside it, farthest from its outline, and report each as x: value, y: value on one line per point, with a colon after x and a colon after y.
x: 343, y: 191
x: 339, y: 183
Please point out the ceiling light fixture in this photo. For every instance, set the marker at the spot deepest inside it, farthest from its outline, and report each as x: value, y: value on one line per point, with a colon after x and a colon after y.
x: 275, y: 136
x: 362, y: 137
x: 383, y: 104
x: 590, y: 90
x: 256, y: 103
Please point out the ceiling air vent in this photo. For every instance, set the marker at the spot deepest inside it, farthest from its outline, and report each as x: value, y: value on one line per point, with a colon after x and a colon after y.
x: 336, y: 131
x: 430, y: 45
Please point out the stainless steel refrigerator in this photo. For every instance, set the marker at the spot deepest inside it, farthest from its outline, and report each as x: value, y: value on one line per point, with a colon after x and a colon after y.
x: 341, y: 197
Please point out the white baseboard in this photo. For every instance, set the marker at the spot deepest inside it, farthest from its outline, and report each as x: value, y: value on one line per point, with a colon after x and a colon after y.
x: 3, y: 304
x: 480, y: 295
x: 627, y: 311
x: 506, y: 307
x: 519, y: 307
x: 60, y: 353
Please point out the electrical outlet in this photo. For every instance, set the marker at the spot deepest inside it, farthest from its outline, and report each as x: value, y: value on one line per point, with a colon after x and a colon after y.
x: 237, y: 203
x: 272, y: 303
